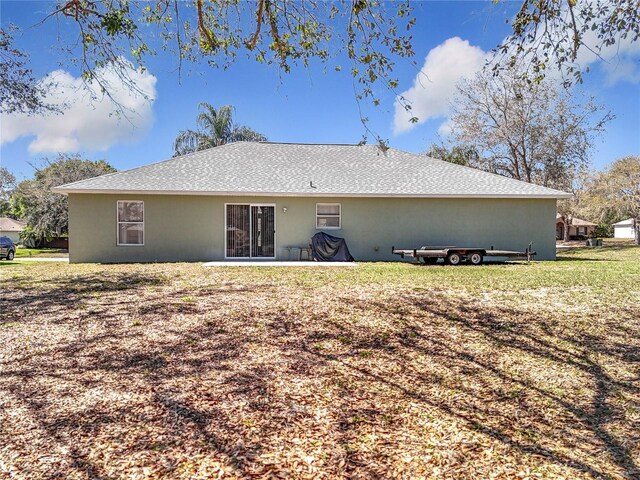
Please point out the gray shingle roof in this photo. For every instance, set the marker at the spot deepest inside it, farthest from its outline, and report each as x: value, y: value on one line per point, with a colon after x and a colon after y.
x: 577, y: 222
x: 309, y: 170
x: 624, y: 223
x: 10, y: 225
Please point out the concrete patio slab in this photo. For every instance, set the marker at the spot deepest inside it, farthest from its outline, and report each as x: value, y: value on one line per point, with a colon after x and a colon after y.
x: 269, y: 263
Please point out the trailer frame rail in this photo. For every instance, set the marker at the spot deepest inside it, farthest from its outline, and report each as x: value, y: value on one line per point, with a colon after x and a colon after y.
x: 453, y: 255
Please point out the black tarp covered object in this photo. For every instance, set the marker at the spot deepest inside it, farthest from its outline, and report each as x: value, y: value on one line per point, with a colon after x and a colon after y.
x: 327, y: 248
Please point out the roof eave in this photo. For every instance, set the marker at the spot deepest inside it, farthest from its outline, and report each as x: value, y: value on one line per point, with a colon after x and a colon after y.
x: 66, y: 191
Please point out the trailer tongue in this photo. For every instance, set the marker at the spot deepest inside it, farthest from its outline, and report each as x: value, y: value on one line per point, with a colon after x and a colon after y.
x: 455, y: 255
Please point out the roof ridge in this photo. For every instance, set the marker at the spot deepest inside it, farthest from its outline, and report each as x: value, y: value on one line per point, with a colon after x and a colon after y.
x: 314, y: 144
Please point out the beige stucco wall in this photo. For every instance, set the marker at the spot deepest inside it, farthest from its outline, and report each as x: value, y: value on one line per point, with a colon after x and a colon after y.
x: 185, y: 227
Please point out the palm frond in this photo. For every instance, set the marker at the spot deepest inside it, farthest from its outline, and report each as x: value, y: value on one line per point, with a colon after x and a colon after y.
x: 223, y: 126
x: 187, y: 141
x: 242, y: 133
x: 215, y: 128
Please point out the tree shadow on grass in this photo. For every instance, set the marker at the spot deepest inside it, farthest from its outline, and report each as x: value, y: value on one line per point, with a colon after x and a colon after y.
x: 189, y: 380
x: 7, y: 264
x: 568, y: 253
x: 565, y: 258
x: 121, y: 340
x: 161, y: 416
x: 561, y: 350
x: 67, y: 293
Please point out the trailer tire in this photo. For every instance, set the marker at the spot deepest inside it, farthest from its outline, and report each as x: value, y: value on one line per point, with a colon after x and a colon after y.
x: 475, y: 258
x: 454, y: 258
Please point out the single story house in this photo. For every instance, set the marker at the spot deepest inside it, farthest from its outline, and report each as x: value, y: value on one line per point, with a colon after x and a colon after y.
x: 11, y: 228
x: 253, y: 200
x: 623, y: 229
x: 578, y: 228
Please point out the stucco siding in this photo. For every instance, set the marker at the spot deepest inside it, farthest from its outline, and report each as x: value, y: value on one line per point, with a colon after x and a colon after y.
x: 191, y: 228
x: 620, y: 231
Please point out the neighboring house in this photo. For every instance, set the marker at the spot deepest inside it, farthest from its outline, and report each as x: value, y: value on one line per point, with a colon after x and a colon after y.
x: 11, y: 228
x: 578, y: 228
x: 258, y: 200
x: 623, y: 229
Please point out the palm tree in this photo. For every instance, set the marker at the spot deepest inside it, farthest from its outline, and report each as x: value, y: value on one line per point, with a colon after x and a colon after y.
x: 215, y: 128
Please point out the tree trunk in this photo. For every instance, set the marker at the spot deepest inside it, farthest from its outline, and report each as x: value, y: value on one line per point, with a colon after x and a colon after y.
x: 567, y: 228
x: 636, y: 230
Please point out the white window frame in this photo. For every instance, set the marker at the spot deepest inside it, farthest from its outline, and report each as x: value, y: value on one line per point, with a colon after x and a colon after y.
x: 339, y: 215
x: 118, y: 222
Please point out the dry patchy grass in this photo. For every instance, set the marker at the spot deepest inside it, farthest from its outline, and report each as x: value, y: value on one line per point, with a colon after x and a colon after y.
x: 387, y: 370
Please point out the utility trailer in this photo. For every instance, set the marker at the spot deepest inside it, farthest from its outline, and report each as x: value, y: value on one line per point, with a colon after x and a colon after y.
x: 452, y: 255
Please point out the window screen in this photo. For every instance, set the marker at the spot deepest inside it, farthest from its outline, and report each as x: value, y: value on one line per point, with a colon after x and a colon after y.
x: 328, y: 215
x: 130, y: 222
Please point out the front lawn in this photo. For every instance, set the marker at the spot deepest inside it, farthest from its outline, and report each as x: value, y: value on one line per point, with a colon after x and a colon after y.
x: 386, y: 370
x: 22, y: 252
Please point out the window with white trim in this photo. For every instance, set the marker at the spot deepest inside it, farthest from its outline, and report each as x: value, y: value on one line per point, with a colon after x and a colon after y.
x: 328, y: 216
x: 130, y: 222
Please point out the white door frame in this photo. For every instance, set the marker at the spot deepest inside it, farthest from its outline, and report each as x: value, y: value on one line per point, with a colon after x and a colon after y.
x: 250, y: 231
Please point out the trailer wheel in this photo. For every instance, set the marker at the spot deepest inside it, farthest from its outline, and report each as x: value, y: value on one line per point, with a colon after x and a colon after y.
x: 454, y: 258
x: 475, y: 258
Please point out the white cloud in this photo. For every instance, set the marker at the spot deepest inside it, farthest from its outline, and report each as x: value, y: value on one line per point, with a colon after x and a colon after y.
x: 445, y: 128
x: 455, y: 59
x: 90, y: 120
x: 622, y: 69
x: 620, y: 61
x: 435, y: 84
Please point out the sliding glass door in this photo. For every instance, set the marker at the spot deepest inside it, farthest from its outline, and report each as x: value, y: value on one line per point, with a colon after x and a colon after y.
x: 263, y: 231
x: 250, y: 231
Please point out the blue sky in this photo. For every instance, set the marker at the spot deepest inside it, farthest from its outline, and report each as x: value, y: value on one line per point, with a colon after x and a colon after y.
x: 306, y: 105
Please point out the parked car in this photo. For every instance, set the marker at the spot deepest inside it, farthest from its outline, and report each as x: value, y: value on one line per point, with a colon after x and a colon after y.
x: 7, y: 248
